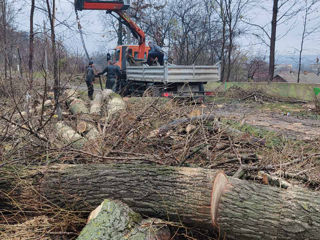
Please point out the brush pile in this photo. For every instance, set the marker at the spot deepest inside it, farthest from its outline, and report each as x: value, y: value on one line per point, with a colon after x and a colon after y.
x: 133, y: 130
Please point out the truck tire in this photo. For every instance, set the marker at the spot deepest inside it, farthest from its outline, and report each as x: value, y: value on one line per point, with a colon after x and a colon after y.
x: 201, y: 88
x: 152, y: 91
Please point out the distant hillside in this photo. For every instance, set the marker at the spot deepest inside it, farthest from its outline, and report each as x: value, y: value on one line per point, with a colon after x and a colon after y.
x: 294, y: 59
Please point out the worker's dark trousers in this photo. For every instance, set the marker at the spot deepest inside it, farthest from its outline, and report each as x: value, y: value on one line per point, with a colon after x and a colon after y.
x: 111, y: 83
x: 153, y: 55
x: 90, y: 89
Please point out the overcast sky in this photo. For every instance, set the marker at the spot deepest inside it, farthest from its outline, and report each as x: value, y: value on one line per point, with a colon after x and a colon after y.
x: 97, y: 39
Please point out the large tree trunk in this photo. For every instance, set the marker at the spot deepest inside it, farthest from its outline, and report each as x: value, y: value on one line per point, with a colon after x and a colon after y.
x: 194, y: 196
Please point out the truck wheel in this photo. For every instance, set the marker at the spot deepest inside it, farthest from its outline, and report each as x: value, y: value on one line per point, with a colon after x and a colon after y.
x: 152, y: 91
x: 201, y: 88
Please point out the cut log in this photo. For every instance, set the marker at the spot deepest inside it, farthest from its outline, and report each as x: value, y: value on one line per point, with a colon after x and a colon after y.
x: 243, y: 210
x: 78, y: 106
x: 194, y: 196
x: 70, y: 93
x: 69, y: 136
x: 115, y: 104
x: 81, y: 127
x: 115, y: 220
x: 106, y: 93
x: 96, y: 104
x: 93, y: 133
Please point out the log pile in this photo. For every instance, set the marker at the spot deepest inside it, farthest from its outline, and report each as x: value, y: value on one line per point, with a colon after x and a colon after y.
x: 85, y: 128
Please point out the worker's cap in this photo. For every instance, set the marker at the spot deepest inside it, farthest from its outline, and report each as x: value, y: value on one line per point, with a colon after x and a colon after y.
x: 90, y: 62
x: 108, y: 56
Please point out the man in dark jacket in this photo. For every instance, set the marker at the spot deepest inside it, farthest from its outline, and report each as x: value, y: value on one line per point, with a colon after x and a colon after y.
x: 155, y: 53
x: 113, y: 76
x: 90, y: 75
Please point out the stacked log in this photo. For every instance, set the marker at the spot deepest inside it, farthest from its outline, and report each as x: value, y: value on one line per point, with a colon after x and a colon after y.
x: 69, y: 136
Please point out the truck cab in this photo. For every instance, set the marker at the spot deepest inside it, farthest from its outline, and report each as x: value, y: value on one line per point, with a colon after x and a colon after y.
x: 123, y: 52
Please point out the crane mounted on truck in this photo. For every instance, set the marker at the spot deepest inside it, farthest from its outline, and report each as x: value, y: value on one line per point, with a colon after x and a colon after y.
x: 163, y: 80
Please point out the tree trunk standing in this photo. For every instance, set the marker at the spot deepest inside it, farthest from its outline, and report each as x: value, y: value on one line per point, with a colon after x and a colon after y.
x: 194, y: 196
x: 45, y: 47
x: 56, y: 87
x: 273, y: 39
x: 230, y: 53
x: 120, y: 35
x: 20, y: 62
x: 223, y: 62
x: 31, y: 43
x: 302, y: 39
x: 4, y: 37
x: 230, y: 29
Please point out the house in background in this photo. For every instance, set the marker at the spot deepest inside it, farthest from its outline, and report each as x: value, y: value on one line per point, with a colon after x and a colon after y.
x: 292, y: 77
x: 315, y: 68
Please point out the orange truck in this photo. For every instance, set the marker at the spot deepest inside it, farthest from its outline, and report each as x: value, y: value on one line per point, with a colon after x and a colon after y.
x: 137, y: 77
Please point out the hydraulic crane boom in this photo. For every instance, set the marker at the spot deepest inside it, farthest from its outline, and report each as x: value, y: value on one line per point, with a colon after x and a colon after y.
x: 116, y: 7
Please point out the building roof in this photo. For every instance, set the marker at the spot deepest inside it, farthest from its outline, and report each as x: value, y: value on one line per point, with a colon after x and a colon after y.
x: 305, y: 77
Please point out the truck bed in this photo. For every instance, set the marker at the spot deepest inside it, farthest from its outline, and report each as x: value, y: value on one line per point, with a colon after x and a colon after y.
x: 173, y: 74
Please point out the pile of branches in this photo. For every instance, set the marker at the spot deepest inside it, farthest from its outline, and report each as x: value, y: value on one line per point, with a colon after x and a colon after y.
x: 160, y: 131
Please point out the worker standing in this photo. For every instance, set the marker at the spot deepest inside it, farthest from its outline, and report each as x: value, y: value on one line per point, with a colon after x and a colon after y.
x: 90, y: 75
x: 155, y: 53
x: 113, y: 76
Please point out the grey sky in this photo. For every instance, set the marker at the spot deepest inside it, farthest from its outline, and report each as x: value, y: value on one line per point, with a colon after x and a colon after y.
x: 98, y: 40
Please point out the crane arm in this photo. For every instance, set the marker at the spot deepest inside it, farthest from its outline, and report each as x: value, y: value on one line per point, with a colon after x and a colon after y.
x: 117, y: 7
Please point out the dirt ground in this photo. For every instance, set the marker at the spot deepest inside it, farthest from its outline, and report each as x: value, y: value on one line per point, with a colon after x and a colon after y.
x: 295, y: 121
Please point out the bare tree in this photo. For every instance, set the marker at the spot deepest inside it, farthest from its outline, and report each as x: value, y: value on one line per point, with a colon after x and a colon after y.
x: 56, y: 87
x: 31, y: 44
x: 222, y: 14
x: 273, y: 38
x: 234, y: 11
x: 4, y: 35
x: 309, y: 8
x: 282, y: 12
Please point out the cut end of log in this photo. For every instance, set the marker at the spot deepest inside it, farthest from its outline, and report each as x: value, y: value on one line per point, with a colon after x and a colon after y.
x: 81, y: 127
x: 95, y: 213
x: 220, y: 185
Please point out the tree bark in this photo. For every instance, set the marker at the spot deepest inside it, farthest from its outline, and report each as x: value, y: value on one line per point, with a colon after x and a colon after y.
x: 56, y: 87
x: 252, y: 211
x: 194, y: 196
x: 31, y: 38
x: 115, y: 220
x: 4, y: 37
x: 78, y: 106
x: 223, y: 61
x: 96, y: 104
x: 273, y: 39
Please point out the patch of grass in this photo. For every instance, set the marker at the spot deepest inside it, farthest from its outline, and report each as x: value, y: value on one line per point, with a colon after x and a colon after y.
x: 296, y: 110
x: 283, y: 107
x: 272, y: 138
